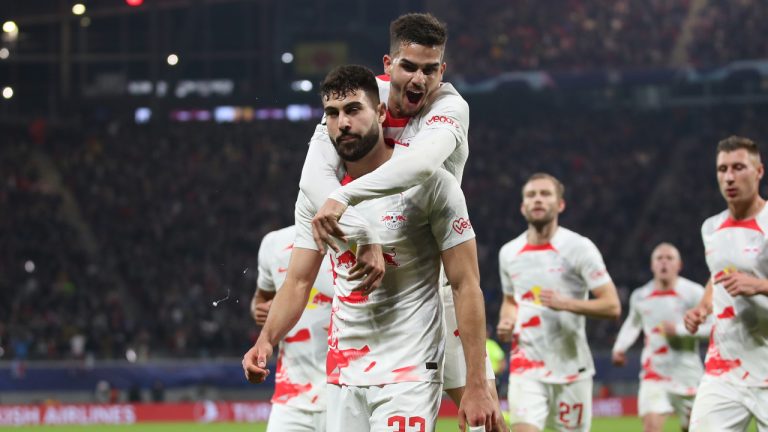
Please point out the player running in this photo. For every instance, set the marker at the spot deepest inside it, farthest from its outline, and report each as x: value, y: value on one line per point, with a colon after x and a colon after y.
x: 671, y: 366
x: 734, y: 389
x: 547, y: 274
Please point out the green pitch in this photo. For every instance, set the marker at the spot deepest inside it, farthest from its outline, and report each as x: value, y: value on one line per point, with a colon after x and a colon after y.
x: 623, y: 424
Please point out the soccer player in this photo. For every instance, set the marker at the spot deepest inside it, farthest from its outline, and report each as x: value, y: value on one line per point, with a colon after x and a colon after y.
x: 547, y: 274
x: 735, y: 385
x: 298, y: 404
x: 671, y: 366
x: 427, y: 122
x: 386, y: 347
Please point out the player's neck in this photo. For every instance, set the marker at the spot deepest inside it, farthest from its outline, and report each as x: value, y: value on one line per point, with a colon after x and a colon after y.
x: 663, y: 285
x: 379, y: 154
x: 541, y: 235
x: 747, y: 210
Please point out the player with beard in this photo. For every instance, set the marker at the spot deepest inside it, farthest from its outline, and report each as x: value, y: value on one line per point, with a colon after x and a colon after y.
x: 427, y: 122
x: 385, y: 357
x: 671, y: 363
x: 547, y: 274
x: 734, y: 389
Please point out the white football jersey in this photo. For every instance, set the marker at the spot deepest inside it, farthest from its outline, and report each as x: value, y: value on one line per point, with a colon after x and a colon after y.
x: 396, y: 333
x: 548, y: 345
x: 300, y: 375
x: 738, y: 347
x: 673, y: 361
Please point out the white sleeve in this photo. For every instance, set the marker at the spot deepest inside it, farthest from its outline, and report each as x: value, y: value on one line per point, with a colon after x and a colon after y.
x: 448, y: 216
x: 591, y: 265
x: 506, y: 282
x: 266, y: 252
x: 630, y: 330
x: 303, y: 214
x: 445, y: 126
x: 320, y: 177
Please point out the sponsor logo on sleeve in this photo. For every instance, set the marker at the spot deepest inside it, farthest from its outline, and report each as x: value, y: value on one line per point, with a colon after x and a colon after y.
x: 597, y: 274
x: 441, y: 119
x: 461, y: 224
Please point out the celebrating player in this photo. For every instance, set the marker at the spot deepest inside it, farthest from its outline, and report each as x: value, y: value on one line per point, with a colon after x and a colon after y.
x: 671, y: 366
x: 298, y: 404
x: 427, y: 122
x: 735, y: 385
x: 546, y: 274
x: 386, y: 347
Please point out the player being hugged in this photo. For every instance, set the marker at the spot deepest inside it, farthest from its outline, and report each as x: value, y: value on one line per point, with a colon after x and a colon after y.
x: 735, y: 385
x: 386, y: 347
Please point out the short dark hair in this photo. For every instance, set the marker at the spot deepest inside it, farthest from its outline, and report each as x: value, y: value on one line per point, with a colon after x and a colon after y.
x: 559, y: 188
x: 348, y: 79
x: 419, y: 28
x: 733, y: 143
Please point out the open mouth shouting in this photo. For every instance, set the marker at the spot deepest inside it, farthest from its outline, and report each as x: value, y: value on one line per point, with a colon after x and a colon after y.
x: 414, y: 96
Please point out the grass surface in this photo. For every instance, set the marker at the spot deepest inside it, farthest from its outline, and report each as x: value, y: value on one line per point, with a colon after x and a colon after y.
x: 606, y: 424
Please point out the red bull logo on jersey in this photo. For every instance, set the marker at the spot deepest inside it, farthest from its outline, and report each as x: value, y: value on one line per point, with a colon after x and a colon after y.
x: 394, y: 220
x: 389, y: 258
x: 346, y: 260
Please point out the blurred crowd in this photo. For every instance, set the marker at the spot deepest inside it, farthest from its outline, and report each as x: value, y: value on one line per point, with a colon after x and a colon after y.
x: 499, y: 36
x: 175, y: 214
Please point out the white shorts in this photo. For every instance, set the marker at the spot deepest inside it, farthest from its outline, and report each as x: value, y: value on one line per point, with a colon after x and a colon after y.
x: 722, y: 407
x: 455, y: 366
x: 654, y: 398
x: 410, y: 406
x: 284, y: 418
x: 563, y: 407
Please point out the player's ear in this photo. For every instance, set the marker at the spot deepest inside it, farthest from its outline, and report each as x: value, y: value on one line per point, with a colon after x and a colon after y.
x: 387, y: 60
x: 382, y: 112
x: 561, y: 206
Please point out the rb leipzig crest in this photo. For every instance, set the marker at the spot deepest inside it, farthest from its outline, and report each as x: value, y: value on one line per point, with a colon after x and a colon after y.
x: 394, y: 220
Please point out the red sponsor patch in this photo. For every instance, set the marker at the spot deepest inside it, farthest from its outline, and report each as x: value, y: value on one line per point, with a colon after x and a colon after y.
x: 442, y: 120
x: 460, y: 225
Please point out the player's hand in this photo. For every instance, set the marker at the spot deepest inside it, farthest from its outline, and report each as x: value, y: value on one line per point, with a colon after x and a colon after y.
x: 325, y: 225
x: 554, y: 300
x: 669, y: 329
x: 740, y: 284
x: 477, y: 408
x: 259, y: 313
x: 619, y: 358
x: 694, y: 318
x: 369, y: 267
x: 255, y: 361
x: 505, y: 329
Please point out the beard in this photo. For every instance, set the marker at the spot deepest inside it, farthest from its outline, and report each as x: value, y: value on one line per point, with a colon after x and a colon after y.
x: 540, y: 222
x: 352, y: 150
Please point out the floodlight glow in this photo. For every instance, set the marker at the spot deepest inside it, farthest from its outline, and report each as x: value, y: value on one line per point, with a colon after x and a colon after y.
x: 78, y: 9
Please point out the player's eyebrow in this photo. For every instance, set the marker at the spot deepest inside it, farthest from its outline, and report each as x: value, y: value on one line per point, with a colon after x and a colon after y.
x: 424, y: 66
